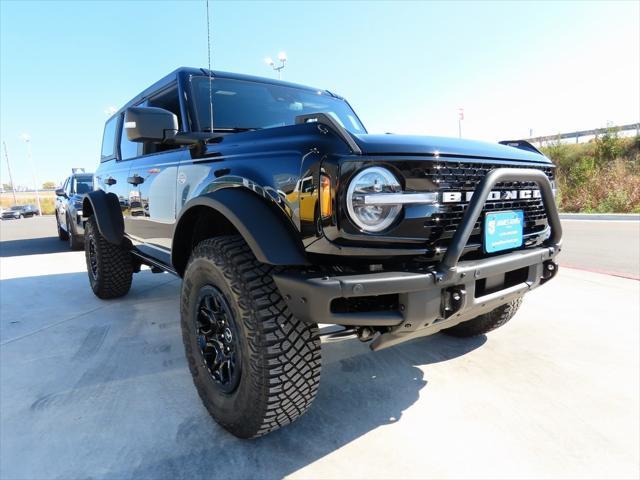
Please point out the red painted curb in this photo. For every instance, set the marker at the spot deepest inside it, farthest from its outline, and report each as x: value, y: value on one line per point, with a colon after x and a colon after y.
x: 629, y: 276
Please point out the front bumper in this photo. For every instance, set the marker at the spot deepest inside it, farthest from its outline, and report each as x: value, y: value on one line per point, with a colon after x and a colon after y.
x: 451, y: 293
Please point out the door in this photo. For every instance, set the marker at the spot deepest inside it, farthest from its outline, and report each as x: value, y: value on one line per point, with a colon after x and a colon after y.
x: 61, y: 204
x: 111, y: 176
x: 151, y: 185
x: 308, y: 199
x: 152, y: 193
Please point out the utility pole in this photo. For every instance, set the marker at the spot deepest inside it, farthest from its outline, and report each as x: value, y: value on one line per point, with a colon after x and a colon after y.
x: 460, y: 119
x: 27, y: 140
x: 13, y: 187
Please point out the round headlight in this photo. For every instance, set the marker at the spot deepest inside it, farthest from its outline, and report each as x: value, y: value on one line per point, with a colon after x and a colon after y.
x: 371, y: 217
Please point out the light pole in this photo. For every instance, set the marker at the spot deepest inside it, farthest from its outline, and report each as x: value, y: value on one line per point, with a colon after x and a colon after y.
x: 27, y: 140
x: 282, y: 57
x: 13, y: 187
x: 460, y: 119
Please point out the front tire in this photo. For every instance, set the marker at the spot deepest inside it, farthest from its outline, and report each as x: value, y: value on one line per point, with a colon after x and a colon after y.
x: 109, y: 266
x: 485, y: 323
x: 62, y: 235
x: 75, y: 243
x: 255, y: 366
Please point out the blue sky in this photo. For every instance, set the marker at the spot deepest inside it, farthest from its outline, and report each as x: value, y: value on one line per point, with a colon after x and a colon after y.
x: 406, y: 67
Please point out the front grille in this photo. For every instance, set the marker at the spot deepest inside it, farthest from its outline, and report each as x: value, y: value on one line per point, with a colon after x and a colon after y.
x: 465, y: 177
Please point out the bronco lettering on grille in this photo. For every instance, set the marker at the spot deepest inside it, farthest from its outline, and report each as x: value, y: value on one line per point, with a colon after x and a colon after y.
x: 494, y: 196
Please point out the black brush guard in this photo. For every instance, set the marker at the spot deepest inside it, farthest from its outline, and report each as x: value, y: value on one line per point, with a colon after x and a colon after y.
x: 429, y: 302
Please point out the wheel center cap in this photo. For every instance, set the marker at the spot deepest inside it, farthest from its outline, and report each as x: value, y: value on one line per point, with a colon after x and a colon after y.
x: 228, y: 337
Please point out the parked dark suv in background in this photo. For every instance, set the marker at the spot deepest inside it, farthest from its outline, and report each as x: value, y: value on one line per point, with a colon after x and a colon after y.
x: 279, y: 211
x: 69, y: 208
x: 20, y: 211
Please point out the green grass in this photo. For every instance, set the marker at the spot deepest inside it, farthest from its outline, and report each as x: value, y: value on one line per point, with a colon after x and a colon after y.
x: 602, y: 176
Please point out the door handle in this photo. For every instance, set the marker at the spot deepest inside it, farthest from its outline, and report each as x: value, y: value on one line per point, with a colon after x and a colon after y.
x: 135, y: 180
x: 110, y: 181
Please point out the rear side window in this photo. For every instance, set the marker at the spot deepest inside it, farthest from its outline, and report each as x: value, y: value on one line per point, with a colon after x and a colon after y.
x: 109, y: 139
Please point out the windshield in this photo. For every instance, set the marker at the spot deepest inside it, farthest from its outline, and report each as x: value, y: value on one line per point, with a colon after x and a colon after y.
x: 241, y: 105
x: 17, y: 207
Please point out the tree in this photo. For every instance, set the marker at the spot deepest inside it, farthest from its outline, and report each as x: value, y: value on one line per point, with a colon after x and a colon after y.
x: 48, y: 185
x: 7, y: 187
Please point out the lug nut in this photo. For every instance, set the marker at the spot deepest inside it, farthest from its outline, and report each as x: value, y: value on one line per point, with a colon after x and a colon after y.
x: 551, y: 267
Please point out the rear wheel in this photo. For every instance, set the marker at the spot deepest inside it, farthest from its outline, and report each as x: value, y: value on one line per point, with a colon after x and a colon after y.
x: 255, y: 366
x: 486, y: 322
x: 109, y: 266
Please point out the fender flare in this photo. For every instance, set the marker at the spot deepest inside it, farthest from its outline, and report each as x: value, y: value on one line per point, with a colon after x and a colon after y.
x: 267, y: 232
x: 106, y: 209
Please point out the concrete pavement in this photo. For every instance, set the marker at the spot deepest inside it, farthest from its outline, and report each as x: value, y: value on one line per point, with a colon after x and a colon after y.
x: 101, y: 389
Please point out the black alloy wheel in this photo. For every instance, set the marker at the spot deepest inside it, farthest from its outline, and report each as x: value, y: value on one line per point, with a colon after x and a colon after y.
x: 93, y: 257
x: 218, y: 338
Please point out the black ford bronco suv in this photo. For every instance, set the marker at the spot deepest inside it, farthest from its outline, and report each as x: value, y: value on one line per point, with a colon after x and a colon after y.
x: 69, y: 198
x: 279, y: 211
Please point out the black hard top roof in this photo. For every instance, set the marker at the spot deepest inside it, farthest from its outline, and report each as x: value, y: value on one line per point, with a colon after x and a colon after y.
x: 169, y: 78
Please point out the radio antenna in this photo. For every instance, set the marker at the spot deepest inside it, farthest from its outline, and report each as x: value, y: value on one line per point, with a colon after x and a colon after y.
x: 210, y: 73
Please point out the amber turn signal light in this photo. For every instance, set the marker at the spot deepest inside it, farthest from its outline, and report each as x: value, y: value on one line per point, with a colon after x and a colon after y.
x: 325, y: 197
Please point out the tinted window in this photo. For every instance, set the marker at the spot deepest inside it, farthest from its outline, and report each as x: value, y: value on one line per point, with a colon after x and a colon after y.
x: 246, y: 104
x: 109, y: 138
x: 127, y: 149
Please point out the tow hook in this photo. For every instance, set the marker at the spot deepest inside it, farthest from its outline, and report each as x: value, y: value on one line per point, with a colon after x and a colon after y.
x: 453, y: 300
x: 549, y: 270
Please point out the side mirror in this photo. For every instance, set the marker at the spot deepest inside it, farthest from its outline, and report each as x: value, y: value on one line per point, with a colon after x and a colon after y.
x: 60, y: 192
x: 150, y: 124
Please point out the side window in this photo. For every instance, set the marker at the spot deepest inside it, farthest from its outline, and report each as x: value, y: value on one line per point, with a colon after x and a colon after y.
x: 167, y: 99
x: 307, y: 185
x: 64, y: 184
x: 128, y: 149
x: 109, y: 139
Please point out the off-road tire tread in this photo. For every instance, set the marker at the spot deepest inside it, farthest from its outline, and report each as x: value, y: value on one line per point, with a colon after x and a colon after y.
x: 285, y: 352
x: 485, y: 323
x: 114, y: 264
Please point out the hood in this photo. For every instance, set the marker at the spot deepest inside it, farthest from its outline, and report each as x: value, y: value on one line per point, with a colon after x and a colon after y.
x: 444, y: 146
